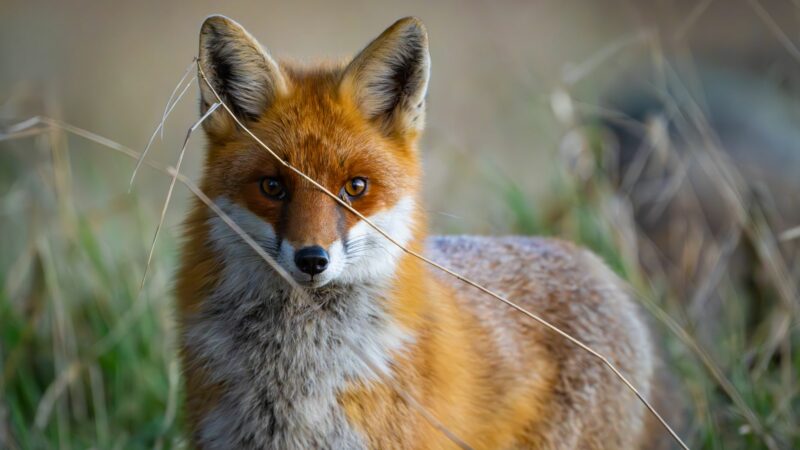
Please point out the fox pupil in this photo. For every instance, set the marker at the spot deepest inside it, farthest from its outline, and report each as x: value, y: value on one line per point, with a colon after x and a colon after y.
x: 272, y: 188
x: 356, y: 187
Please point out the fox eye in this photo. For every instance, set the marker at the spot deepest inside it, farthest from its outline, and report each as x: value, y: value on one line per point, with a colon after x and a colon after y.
x: 355, y: 187
x: 272, y: 188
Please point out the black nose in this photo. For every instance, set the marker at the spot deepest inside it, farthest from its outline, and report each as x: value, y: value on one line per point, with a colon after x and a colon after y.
x: 311, y: 260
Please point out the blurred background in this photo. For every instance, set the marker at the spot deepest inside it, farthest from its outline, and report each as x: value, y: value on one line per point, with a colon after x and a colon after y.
x: 662, y: 134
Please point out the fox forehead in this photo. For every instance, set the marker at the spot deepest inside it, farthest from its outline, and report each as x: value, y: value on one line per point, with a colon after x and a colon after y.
x: 321, y: 133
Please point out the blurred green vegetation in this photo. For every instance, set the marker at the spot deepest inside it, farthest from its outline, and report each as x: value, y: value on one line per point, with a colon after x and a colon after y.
x: 591, y: 212
x: 89, y: 362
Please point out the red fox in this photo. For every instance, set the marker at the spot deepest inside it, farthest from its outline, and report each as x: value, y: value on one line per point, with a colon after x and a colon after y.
x: 267, y: 368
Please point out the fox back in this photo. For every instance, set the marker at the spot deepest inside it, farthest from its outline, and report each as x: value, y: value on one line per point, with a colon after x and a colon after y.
x: 268, y: 366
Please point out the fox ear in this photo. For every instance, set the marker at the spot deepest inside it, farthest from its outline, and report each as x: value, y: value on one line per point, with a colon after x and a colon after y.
x: 389, y: 78
x: 240, y: 70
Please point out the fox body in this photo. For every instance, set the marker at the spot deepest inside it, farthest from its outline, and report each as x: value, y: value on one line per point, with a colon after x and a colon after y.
x: 266, y: 367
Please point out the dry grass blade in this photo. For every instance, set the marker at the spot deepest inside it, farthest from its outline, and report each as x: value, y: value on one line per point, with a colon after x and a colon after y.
x: 730, y: 180
x: 99, y: 405
x: 575, y: 73
x: 172, y: 403
x: 236, y: 228
x: 53, y: 393
x: 20, y: 135
x: 726, y: 177
x: 776, y: 30
x: 127, y: 151
x: 713, y: 369
x: 25, y: 125
x: 160, y: 128
x: 691, y: 19
x: 171, y: 189
x: 790, y: 234
x: 428, y: 261
x: 168, y: 108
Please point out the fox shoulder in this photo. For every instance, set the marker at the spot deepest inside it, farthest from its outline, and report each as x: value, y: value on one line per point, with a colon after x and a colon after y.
x: 573, y: 290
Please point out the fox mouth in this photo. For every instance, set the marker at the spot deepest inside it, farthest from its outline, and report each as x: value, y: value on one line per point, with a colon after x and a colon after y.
x: 302, y: 279
x: 312, y: 281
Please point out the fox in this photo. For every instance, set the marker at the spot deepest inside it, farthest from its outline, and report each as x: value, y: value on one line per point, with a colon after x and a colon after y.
x: 267, y: 368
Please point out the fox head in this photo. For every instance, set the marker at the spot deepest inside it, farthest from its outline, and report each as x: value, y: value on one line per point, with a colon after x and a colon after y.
x: 351, y: 127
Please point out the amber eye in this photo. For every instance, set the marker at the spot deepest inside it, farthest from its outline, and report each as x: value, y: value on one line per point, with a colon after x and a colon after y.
x: 355, y: 187
x: 272, y: 188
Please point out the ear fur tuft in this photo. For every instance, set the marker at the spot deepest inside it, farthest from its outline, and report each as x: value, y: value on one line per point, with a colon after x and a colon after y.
x: 240, y: 70
x: 388, y: 80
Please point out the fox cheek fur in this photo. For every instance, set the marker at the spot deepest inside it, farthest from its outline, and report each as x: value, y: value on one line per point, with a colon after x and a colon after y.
x: 266, y: 368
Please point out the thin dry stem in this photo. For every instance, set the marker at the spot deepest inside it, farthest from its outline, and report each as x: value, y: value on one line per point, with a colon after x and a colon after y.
x: 99, y: 406
x: 167, y: 110
x: 718, y: 167
x: 172, y: 403
x: 775, y: 29
x: 160, y: 127
x: 167, y: 107
x: 691, y: 19
x: 575, y: 73
x: 171, y: 189
x: 731, y: 181
x: 790, y: 234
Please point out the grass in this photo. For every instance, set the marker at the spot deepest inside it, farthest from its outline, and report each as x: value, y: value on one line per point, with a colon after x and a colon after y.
x: 89, y: 362
x: 765, y: 410
x: 85, y: 363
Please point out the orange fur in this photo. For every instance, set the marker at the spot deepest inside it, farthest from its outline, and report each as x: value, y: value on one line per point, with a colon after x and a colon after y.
x: 491, y: 376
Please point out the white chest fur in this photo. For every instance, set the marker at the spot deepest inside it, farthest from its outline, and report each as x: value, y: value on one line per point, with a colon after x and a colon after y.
x: 281, y: 358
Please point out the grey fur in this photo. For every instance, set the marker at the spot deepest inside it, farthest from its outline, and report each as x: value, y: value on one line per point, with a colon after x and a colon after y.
x: 283, y: 360
x: 574, y: 290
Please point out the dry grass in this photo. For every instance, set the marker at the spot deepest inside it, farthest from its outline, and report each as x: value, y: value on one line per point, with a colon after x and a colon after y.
x: 752, y: 364
x: 81, y: 360
x: 68, y: 376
